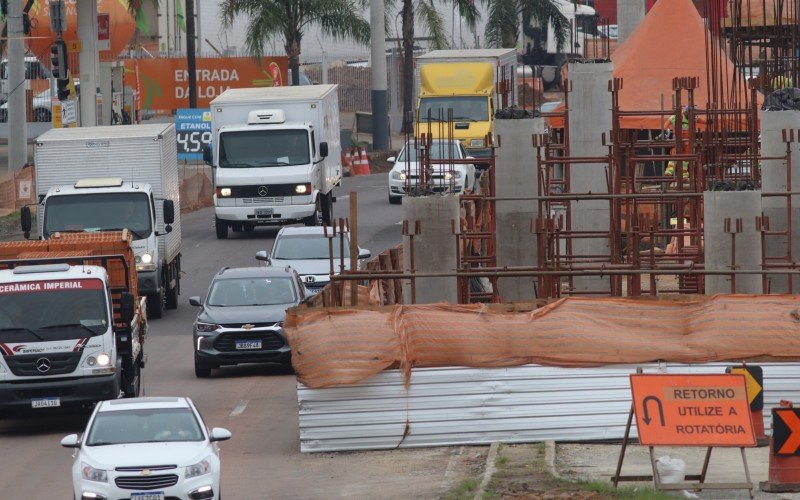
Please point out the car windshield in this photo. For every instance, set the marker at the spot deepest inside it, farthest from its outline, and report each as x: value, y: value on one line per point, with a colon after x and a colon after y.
x: 233, y: 292
x: 98, y: 212
x: 263, y: 148
x: 439, y: 151
x: 308, y: 246
x: 152, y: 425
x: 52, y: 310
x: 464, y: 108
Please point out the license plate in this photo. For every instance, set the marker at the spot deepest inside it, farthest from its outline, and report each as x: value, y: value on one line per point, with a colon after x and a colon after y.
x: 148, y: 495
x: 248, y: 344
x: 263, y: 212
x: 45, y: 402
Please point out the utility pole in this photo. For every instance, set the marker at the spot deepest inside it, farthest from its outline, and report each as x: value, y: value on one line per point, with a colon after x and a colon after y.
x: 17, y: 115
x: 88, y: 59
x: 191, y: 55
x: 380, y: 113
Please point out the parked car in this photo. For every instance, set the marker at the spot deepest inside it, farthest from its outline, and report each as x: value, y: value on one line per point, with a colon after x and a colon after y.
x: 241, y: 318
x: 41, y: 106
x: 455, y: 178
x: 149, y: 448
x: 306, y: 249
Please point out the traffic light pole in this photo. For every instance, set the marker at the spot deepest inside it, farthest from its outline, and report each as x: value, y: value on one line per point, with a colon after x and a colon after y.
x: 88, y: 60
x: 17, y: 119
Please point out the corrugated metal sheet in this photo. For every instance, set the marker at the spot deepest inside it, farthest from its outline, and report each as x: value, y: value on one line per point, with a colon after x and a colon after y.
x: 449, y: 406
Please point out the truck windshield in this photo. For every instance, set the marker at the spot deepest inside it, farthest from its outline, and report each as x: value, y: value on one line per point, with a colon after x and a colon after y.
x: 469, y: 108
x: 52, y: 310
x: 98, y: 212
x: 263, y: 148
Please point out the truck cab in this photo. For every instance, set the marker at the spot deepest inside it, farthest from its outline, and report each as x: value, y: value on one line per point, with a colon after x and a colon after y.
x: 111, y: 204
x: 60, y: 339
x: 466, y: 90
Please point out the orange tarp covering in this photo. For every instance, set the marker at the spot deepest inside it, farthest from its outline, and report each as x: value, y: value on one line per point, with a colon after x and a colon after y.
x: 669, y: 43
x: 338, y: 347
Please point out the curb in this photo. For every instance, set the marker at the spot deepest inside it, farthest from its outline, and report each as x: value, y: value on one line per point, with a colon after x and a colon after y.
x: 489, y: 470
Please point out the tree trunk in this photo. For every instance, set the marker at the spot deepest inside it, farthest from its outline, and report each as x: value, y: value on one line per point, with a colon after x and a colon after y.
x: 408, y: 66
x: 293, y: 52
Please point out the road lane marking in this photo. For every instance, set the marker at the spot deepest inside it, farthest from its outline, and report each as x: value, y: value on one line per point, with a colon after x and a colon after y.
x: 239, y: 408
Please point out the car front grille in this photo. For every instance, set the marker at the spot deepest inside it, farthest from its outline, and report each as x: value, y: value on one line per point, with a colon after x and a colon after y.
x: 27, y: 365
x: 146, y: 482
x: 270, y: 341
x: 268, y: 200
x: 254, y: 325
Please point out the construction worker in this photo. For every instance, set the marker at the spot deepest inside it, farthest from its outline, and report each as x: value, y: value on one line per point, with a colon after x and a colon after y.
x: 670, y: 126
x: 670, y: 170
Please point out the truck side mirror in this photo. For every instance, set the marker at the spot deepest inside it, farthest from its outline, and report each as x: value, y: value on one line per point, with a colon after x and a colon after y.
x: 126, y: 307
x: 169, y: 211
x: 323, y: 149
x: 26, y: 221
x: 207, y: 156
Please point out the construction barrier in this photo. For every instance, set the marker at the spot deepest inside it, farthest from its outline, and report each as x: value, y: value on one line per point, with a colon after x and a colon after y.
x: 360, y: 165
x: 344, y: 346
x: 784, y: 457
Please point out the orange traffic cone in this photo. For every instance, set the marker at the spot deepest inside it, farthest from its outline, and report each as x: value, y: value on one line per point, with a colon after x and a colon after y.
x: 784, y: 459
x: 346, y: 164
x: 365, y: 170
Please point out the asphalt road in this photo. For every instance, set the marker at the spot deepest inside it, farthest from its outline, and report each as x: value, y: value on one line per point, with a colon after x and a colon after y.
x: 257, y: 403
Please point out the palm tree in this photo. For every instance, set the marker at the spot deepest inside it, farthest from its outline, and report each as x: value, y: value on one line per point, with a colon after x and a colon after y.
x: 433, y: 23
x: 503, y: 22
x: 269, y: 19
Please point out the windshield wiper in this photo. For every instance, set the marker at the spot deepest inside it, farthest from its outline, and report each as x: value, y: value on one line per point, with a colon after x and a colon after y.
x: 70, y: 325
x: 138, y: 235
x: 273, y: 164
x: 17, y: 328
x: 234, y: 165
x: 464, y: 119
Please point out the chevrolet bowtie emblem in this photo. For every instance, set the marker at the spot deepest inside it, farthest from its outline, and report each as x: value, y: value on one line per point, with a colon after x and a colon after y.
x: 248, y: 326
x: 146, y: 472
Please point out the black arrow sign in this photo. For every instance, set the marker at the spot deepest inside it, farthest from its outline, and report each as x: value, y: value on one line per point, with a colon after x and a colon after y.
x: 647, y: 418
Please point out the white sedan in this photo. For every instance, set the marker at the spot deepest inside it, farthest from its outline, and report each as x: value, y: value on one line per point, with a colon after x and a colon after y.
x: 455, y: 178
x: 149, y: 448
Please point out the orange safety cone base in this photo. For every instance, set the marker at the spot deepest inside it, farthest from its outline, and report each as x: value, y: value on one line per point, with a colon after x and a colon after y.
x: 784, y: 474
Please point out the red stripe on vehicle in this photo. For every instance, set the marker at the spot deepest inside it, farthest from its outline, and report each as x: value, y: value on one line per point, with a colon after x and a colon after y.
x: 6, y: 350
x: 80, y: 345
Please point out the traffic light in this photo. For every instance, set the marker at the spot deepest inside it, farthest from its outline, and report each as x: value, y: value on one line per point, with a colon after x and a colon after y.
x: 58, y: 60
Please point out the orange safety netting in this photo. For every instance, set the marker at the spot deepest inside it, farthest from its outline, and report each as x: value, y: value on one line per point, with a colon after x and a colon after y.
x: 339, y: 347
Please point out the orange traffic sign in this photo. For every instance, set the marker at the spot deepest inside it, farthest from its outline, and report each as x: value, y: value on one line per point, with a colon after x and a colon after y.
x: 692, y: 410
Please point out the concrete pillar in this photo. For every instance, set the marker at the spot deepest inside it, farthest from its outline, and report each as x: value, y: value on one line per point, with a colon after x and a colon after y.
x: 434, y: 247
x: 717, y: 206
x: 773, y: 174
x: 515, y: 176
x: 629, y: 14
x: 590, y: 113
x: 88, y: 60
x: 380, y: 112
x: 17, y: 116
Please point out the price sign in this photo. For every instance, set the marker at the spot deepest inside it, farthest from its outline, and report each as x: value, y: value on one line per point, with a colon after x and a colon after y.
x: 193, y: 132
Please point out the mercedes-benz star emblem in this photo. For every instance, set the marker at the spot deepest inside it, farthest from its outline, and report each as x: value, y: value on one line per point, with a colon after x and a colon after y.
x: 262, y: 190
x: 43, y: 365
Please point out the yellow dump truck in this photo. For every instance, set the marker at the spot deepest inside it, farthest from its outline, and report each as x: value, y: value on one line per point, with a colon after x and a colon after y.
x: 470, y: 84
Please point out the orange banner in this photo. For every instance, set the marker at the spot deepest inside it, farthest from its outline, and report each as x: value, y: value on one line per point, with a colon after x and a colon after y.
x: 164, y: 83
x: 692, y: 410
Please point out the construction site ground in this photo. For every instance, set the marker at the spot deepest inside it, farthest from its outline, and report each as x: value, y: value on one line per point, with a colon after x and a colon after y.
x: 583, y: 471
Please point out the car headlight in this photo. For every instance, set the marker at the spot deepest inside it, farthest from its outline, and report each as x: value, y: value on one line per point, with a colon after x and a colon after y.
x: 198, y: 469
x: 302, y: 188
x: 92, y: 474
x: 146, y: 258
x: 476, y: 143
x: 224, y: 192
x: 205, y: 327
x: 398, y: 176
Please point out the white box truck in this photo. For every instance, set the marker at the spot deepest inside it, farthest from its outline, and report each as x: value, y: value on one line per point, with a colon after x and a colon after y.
x: 109, y: 178
x: 276, y: 156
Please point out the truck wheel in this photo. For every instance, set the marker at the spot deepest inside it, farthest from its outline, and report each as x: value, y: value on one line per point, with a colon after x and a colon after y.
x: 155, y: 305
x: 314, y: 219
x: 222, y: 229
x: 172, y: 298
x: 327, y: 209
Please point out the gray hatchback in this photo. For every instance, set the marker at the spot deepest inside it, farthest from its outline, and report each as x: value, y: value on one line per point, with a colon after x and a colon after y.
x: 241, y: 318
